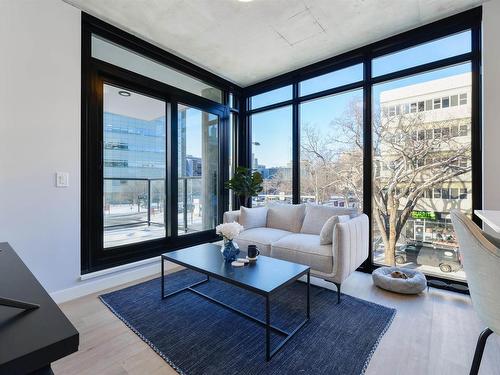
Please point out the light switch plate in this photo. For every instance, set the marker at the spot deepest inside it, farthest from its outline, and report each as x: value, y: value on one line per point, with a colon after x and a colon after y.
x: 62, y: 179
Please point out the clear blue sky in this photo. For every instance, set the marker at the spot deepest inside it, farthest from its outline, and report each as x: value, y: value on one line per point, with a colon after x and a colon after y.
x: 272, y: 129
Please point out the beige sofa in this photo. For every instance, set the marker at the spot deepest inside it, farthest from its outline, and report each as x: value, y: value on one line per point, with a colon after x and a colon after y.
x: 292, y: 232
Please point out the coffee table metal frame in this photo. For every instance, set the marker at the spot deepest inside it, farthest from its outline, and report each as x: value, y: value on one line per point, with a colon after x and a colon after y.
x: 267, y: 295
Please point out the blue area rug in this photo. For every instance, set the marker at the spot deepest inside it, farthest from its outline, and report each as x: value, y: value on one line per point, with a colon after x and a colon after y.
x: 196, y: 336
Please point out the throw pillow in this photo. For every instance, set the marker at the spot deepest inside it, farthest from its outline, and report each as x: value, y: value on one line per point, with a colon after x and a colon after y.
x: 253, y: 217
x: 316, y: 216
x: 287, y: 217
x: 326, y: 235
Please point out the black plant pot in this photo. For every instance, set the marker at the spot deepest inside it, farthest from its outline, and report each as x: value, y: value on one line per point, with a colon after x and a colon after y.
x: 245, y: 201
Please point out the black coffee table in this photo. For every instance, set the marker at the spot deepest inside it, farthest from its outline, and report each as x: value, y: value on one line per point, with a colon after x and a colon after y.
x: 264, y: 277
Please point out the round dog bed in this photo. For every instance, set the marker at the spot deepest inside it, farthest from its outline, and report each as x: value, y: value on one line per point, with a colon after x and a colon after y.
x: 414, y: 284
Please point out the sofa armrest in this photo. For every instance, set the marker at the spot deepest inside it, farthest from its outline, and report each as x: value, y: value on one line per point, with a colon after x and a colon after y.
x: 231, y: 216
x: 350, y: 246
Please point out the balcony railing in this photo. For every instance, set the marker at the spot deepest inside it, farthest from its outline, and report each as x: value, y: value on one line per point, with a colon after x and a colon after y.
x: 133, y: 201
x: 130, y: 202
x: 186, y: 190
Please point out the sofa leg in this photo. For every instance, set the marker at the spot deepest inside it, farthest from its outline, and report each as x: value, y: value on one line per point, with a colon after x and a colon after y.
x: 481, y: 342
x: 338, y: 292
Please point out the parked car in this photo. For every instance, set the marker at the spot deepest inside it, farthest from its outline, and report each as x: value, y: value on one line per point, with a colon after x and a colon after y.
x: 447, y: 258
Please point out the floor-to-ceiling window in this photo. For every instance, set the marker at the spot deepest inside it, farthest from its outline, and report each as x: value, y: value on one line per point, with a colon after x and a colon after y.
x: 156, y: 133
x: 393, y: 129
x: 421, y: 131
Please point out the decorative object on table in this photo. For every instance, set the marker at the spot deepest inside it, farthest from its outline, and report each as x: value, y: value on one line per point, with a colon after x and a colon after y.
x: 229, y: 231
x: 245, y: 184
x: 237, y: 264
x: 243, y: 260
x: 252, y: 252
x: 399, y: 280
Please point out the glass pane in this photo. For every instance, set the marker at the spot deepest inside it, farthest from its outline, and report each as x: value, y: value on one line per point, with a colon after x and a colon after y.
x: 271, y: 97
x: 449, y: 46
x: 421, y: 171
x: 112, y: 53
x: 331, y: 150
x: 272, y: 154
x: 134, y: 167
x: 334, y: 79
x: 198, y: 143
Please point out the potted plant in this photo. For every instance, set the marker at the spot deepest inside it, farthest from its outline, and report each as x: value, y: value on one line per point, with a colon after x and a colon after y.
x: 245, y: 184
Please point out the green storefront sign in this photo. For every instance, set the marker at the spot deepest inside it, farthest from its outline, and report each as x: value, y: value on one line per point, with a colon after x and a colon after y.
x: 429, y: 215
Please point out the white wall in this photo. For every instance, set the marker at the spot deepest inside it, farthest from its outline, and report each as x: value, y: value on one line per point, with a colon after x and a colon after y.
x: 40, y: 134
x: 491, y: 105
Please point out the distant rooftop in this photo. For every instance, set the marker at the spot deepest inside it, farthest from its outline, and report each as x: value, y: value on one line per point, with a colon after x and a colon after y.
x: 418, y: 90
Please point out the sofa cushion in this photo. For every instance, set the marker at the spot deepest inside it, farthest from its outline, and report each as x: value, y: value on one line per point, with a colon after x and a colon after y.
x: 287, y: 217
x: 304, y: 249
x: 262, y: 237
x: 253, y: 217
x: 316, y: 216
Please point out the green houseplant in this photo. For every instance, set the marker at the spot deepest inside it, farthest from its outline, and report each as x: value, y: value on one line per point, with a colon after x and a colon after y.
x: 245, y: 184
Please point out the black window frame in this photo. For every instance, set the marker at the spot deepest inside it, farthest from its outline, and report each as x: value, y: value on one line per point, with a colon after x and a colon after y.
x: 468, y: 20
x: 96, y: 72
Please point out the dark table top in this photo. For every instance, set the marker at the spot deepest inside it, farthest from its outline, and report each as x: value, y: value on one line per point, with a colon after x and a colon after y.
x: 264, y: 276
x: 31, y: 339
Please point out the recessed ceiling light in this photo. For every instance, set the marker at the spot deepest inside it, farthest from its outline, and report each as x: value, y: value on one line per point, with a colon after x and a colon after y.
x: 244, y: 1
x: 124, y: 93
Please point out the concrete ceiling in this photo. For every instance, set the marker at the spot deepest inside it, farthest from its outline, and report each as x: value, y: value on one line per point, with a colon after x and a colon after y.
x: 247, y: 42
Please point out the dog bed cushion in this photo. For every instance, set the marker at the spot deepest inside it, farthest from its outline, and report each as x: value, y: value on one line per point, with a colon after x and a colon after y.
x: 414, y: 284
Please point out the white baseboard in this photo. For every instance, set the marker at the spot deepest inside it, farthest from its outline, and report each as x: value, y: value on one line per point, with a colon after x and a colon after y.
x: 123, y: 267
x: 99, y: 283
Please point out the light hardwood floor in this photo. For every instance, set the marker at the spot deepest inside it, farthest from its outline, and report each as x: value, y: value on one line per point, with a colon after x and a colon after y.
x: 434, y: 333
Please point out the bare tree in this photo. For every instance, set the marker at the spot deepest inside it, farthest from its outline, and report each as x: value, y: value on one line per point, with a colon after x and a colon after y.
x: 318, y: 162
x: 410, y: 156
x: 332, y: 161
